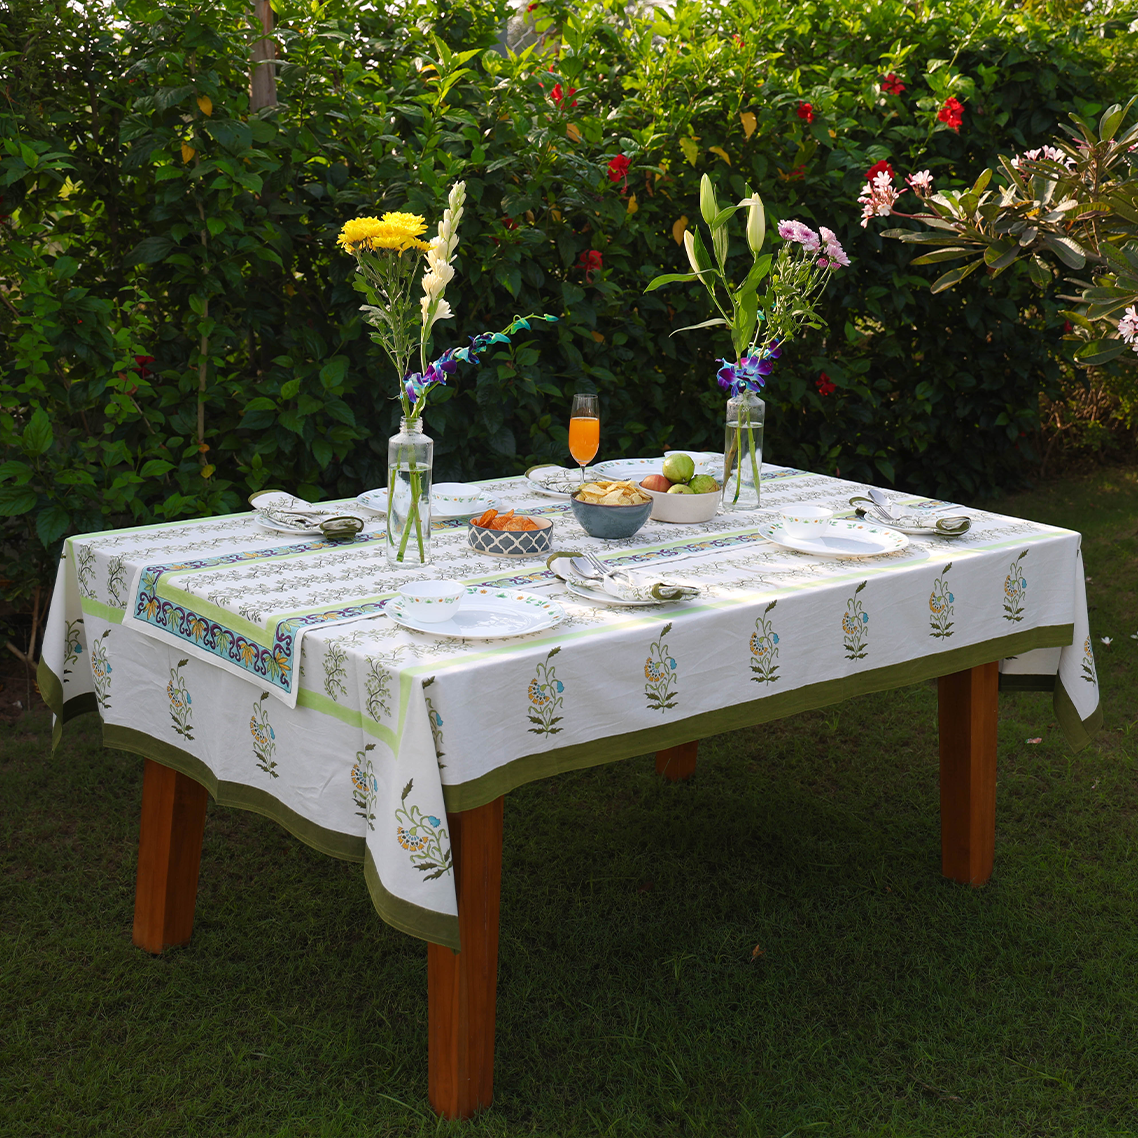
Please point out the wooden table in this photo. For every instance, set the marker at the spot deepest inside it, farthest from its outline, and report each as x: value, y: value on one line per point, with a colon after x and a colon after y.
x: 462, y: 987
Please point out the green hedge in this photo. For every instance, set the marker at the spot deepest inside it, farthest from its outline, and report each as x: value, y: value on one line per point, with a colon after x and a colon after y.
x: 149, y: 213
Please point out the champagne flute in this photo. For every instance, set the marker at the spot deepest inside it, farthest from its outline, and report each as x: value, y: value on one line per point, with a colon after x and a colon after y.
x: 584, y: 430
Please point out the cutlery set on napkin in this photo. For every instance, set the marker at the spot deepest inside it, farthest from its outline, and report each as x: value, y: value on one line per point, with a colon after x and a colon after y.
x: 587, y: 572
x: 878, y: 508
x: 283, y: 513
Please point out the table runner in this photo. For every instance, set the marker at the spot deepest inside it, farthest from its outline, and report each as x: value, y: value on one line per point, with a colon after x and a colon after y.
x: 388, y: 728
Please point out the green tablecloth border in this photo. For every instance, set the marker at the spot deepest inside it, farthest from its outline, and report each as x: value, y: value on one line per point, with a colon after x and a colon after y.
x: 409, y: 918
x: 529, y: 768
x: 347, y: 847
x: 51, y: 690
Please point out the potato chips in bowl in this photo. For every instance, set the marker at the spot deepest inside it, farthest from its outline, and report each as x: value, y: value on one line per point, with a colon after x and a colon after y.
x: 611, y: 510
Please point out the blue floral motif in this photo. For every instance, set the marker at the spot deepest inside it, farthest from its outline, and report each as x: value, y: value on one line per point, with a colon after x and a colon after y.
x: 764, y: 649
x: 423, y: 838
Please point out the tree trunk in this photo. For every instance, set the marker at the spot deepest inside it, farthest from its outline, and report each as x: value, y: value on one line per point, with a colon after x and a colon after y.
x: 262, y: 76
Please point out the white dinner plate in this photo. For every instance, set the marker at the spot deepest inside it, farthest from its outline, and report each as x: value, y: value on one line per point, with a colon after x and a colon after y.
x: 485, y: 502
x: 841, y: 538
x: 595, y: 596
x: 374, y: 500
x: 634, y: 469
x: 556, y: 481
x: 486, y: 614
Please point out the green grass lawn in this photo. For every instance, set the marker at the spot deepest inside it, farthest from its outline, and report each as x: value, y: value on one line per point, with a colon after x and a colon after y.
x: 767, y: 950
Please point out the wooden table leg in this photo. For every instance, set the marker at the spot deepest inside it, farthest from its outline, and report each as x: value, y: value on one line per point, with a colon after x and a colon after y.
x: 677, y: 763
x: 462, y: 987
x: 967, y: 715
x: 169, y: 854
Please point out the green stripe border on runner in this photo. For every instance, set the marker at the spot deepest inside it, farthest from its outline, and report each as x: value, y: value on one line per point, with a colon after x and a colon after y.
x: 529, y: 768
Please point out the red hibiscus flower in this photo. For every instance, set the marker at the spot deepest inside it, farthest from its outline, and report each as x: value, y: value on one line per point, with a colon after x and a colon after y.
x: 891, y: 85
x: 618, y: 170
x: 739, y: 41
x: 558, y: 96
x: 825, y: 385
x: 951, y: 114
x: 140, y: 363
x: 806, y: 111
x: 591, y: 262
x: 878, y: 168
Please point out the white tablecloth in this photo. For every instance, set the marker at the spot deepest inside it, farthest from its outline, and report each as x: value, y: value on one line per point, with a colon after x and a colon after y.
x: 274, y: 678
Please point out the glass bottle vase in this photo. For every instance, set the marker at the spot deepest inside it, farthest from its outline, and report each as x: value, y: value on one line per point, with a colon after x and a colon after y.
x: 743, y: 451
x: 410, y: 455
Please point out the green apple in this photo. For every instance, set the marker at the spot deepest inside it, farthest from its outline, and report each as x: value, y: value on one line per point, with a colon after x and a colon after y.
x: 703, y: 484
x: 681, y: 488
x: 678, y: 467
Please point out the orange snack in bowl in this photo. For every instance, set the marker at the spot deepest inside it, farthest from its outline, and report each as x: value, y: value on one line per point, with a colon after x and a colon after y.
x: 500, y: 521
x: 485, y: 519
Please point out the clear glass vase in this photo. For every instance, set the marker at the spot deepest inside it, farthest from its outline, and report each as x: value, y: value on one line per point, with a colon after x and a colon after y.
x: 410, y: 455
x: 743, y: 451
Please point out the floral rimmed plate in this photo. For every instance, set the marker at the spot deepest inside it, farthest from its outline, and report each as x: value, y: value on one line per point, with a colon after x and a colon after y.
x: 486, y: 614
x: 840, y: 538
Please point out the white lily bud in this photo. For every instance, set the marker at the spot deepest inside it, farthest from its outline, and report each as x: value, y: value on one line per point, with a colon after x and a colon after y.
x: 756, y: 225
x: 689, y: 248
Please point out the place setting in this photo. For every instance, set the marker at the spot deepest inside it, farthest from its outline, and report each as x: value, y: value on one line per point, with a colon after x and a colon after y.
x: 277, y: 511
x: 471, y: 612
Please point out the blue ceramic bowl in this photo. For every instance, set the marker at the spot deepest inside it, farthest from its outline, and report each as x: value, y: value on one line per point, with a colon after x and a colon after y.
x: 610, y: 522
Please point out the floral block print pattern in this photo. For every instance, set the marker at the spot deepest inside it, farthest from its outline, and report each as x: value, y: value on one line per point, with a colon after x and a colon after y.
x: 436, y: 721
x: 422, y: 836
x: 364, y: 786
x: 1015, y: 590
x: 545, y: 698
x: 660, y: 672
x: 101, y: 671
x: 335, y: 672
x: 85, y: 571
x: 73, y: 646
x: 264, y: 737
x: 764, y: 649
x: 855, y: 627
x: 940, y: 606
x: 180, y: 702
x: 116, y: 581
x: 1089, y: 672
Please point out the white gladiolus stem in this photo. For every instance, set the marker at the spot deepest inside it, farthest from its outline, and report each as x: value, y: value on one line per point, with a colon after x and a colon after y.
x: 440, y: 253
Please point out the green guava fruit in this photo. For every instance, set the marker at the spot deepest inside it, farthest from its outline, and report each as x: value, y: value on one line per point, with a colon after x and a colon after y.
x: 678, y: 467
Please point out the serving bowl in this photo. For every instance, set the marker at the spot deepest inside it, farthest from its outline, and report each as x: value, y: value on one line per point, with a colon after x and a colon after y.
x: 610, y: 522
x: 684, y: 509
x: 512, y: 543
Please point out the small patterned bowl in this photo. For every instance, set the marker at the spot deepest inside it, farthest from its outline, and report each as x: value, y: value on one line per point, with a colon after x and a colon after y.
x: 512, y: 543
x: 455, y: 497
x: 610, y: 522
x: 432, y: 601
x: 805, y: 521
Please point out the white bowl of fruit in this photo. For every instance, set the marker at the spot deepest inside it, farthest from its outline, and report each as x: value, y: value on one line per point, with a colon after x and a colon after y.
x: 679, y: 494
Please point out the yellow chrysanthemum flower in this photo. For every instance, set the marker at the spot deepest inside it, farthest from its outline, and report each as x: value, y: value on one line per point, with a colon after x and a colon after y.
x: 395, y: 231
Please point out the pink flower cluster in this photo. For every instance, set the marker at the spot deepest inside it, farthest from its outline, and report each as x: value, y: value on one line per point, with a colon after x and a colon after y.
x: 825, y: 243
x: 878, y: 197
x: 1044, y: 154
x: 1128, y: 327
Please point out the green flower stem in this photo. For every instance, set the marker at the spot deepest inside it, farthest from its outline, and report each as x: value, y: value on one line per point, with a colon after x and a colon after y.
x: 413, y: 513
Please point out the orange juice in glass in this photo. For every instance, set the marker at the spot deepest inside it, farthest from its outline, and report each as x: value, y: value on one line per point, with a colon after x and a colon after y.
x: 584, y: 431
